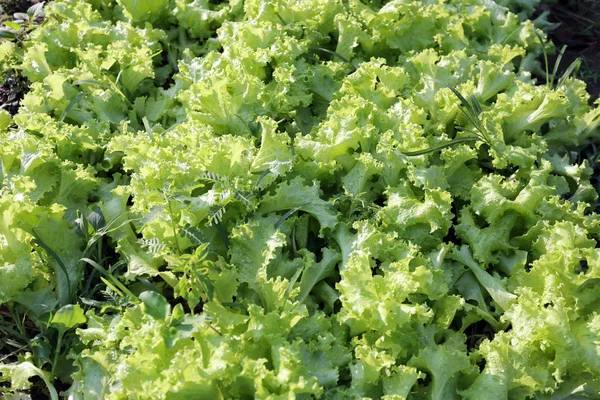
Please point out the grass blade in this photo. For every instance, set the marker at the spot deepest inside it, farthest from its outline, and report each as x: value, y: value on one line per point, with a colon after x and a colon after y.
x: 287, y: 214
x: 471, y: 111
x: 332, y: 53
x: 20, y: 348
x: 291, y: 283
x: 89, y: 82
x: 475, y: 104
x: 507, y: 38
x: 281, y: 19
x: 537, y: 34
x: 262, y: 176
x: 462, y: 99
x: 439, y: 147
x: 70, y: 106
x: 467, y: 109
x: 571, y: 70
x: 557, y: 64
x: 111, y: 278
x: 56, y: 258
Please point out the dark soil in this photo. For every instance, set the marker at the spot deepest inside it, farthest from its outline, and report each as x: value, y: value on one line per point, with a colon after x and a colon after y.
x: 10, y: 7
x: 12, y: 91
x: 13, y: 86
x: 579, y: 30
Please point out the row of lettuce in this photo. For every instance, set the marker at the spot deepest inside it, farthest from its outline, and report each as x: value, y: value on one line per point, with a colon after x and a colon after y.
x: 236, y: 196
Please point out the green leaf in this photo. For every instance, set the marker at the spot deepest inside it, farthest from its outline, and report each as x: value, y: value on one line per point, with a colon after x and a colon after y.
x: 155, y: 305
x: 7, y: 33
x: 38, y: 302
x: 96, y: 219
x: 20, y: 17
x: 446, y: 363
x: 316, y: 272
x: 295, y: 195
x: 501, y: 296
x: 144, y: 10
x: 36, y: 10
x: 58, y: 260
x: 193, y: 234
x: 72, y: 104
x: 20, y: 373
x: 68, y: 317
x: 13, y: 25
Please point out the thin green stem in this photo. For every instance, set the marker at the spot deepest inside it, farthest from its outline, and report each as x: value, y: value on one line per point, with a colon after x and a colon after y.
x: 110, y: 277
x: 439, y: 147
x: 70, y: 106
x: 173, y: 225
x: 99, y: 254
x: 287, y: 214
x: 17, y: 322
x: 332, y: 53
x: 56, y: 258
x: 557, y: 64
x: 57, y: 353
x: 545, y: 55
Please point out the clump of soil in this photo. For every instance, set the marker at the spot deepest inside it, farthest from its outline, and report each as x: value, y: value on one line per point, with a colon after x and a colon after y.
x: 12, y: 92
x: 10, y: 7
x: 13, y: 86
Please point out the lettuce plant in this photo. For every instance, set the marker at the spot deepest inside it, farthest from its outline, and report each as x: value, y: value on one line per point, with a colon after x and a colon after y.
x: 284, y: 199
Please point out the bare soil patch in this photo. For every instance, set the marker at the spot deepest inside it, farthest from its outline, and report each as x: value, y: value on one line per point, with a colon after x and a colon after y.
x: 579, y: 30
